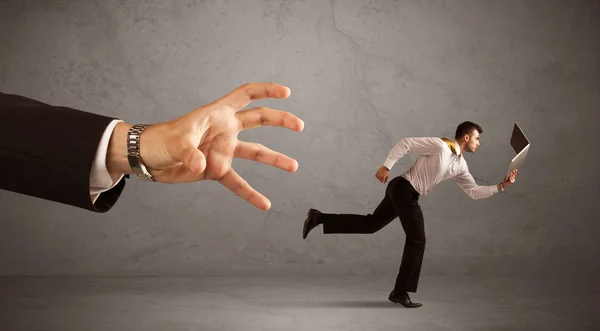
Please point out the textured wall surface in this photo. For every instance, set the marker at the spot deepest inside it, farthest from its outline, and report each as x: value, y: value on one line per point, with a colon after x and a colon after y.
x: 363, y: 75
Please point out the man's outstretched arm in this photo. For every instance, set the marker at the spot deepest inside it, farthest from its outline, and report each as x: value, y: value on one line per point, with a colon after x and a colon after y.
x: 50, y: 152
x: 467, y: 183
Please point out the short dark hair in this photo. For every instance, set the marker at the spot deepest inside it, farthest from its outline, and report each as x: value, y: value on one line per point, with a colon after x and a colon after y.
x: 467, y: 128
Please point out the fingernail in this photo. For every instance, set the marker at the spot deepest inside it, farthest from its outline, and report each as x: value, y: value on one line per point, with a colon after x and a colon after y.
x: 193, y: 164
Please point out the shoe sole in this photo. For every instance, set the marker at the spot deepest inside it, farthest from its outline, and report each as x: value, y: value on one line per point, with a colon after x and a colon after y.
x: 400, y: 303
x: 416, y: 305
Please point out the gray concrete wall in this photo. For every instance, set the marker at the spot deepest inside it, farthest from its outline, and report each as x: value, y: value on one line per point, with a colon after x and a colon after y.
x: 362, y: 75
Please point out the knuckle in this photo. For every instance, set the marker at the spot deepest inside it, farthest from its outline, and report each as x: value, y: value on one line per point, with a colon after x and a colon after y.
x: 276, y: 159
x: 241, y: 185
x: 282, y: 119
x: 264, y: 119
x: 259, y: 152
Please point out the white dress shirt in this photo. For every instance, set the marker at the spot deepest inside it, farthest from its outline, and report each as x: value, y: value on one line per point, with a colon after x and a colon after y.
x: 435, y: 164
x: 100, y: 179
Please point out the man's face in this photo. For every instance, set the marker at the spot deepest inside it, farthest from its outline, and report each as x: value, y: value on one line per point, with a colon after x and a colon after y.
x: 473, y: 142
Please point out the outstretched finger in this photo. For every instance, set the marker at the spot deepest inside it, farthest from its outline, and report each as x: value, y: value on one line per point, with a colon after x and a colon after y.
x: 239, y: 186
x: 260, y: 153
x: 253, y: 118
x: 243, y: 95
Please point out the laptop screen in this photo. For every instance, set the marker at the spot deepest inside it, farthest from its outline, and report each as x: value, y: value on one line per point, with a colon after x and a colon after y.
x: 518, y: 141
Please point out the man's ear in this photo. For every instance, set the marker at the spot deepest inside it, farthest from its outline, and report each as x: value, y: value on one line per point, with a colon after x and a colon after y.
x: 466, y: 137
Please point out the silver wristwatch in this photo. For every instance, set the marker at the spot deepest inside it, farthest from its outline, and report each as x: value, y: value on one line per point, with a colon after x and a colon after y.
x: 133, y: 152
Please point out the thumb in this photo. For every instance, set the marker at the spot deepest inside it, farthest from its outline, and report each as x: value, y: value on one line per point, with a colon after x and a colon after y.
x: 193, y: 159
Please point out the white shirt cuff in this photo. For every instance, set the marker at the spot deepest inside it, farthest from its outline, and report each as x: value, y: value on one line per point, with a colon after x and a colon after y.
x: 389, y: 163
x: 100, y: 179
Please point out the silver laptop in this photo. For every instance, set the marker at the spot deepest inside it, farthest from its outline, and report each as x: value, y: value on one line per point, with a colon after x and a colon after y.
x: 520, y: 144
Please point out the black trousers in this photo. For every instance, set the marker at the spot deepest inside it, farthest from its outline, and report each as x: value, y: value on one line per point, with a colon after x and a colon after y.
x: 401, y: 200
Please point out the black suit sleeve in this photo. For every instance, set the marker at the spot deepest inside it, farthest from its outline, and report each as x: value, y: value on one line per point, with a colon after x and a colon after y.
x: 48, y: 151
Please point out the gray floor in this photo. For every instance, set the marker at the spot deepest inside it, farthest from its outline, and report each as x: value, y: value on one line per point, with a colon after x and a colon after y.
x: 450, y: 303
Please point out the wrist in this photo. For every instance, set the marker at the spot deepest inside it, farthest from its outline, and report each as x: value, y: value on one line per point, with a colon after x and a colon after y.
x: 116, y: 158
x: 501, y: 187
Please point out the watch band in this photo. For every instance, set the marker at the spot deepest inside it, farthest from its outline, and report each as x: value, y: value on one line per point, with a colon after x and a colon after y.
x: 133, y: 152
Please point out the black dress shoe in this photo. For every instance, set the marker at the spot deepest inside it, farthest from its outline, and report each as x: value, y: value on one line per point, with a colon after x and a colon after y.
x: 310, y: 222
x: 403, y: 299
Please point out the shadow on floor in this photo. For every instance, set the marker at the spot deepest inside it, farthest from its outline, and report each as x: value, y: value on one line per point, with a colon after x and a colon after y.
x: 343, y: 304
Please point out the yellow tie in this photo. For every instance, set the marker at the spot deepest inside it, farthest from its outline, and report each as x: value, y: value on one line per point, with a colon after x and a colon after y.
x: 450, y: 144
